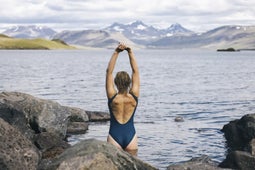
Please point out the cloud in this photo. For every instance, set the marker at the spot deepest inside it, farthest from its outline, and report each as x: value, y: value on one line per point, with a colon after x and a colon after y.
x: 195, y: 14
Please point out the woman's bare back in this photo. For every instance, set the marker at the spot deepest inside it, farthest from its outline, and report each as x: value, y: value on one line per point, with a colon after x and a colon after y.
x: 123, y: 107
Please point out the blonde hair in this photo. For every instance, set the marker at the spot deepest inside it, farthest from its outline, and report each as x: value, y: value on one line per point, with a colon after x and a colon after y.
x: 122, y: 81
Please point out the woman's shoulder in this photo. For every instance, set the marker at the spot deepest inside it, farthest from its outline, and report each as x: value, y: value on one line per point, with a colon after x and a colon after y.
x: 134, y: 96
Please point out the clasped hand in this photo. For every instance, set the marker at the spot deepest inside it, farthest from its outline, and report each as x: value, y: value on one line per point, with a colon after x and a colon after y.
x: 121, y: 47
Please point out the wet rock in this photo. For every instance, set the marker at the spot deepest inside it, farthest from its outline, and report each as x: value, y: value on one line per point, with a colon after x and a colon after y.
x: 94, y: 154
x: 16, y: 151
x: 201, y: 163
x: 95, y: 116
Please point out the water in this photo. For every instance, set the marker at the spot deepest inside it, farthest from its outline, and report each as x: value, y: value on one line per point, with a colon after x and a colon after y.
x: 208, y: 89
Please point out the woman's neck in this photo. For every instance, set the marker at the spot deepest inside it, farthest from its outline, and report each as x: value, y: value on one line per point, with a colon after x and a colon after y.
x: 123, y: 92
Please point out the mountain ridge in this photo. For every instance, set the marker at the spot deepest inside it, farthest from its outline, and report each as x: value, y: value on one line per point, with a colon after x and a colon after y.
x: 142, y: 35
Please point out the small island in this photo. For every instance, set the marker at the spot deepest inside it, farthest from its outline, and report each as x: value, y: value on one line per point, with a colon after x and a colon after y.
x: 227, y: 50
x: 9, y: 43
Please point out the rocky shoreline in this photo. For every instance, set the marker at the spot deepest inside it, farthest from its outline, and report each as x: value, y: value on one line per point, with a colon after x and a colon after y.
x: 34, y: 135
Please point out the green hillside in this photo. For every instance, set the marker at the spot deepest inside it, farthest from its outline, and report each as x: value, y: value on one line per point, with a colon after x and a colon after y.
x: 16, y: 43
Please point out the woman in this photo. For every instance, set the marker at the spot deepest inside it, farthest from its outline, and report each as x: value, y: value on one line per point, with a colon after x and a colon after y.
x: 122, y: 102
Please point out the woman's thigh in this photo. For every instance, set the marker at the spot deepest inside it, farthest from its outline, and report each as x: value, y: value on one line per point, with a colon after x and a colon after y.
x: 112, y: 141
x: 132, y: 146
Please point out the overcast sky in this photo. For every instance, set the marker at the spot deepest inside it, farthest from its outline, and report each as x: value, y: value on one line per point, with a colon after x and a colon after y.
x: 196, y: 15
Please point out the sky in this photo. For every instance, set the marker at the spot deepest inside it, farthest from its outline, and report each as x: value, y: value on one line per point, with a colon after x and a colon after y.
x: 196, y: 15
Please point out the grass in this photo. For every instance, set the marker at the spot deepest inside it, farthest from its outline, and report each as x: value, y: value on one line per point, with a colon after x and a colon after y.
x: 17, y: 43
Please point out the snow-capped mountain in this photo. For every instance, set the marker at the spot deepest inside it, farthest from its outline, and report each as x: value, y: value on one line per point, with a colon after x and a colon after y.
x: 31, y: 31
x: 177, y: 29
x: 136, y: 31
x: 141, y: 33
x: 239, y: 37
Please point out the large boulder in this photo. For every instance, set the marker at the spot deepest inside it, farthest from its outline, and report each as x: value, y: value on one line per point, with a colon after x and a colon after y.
x: 16, y: 151
x: 44, y: 122
x: 31, y: 113
x: 240, y: 136
x: 93, y: 154
x: 239, y: 133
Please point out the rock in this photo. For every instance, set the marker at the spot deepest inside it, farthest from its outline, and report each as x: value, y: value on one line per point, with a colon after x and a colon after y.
x: 178, y: 119
x: 251, y: 148
x: 232, y: 135
x: 94, y: 154
x: 50, y: 144
x: 78, y: 122
x: 239, y: 160
x: 201, y: 163
x: 98, y: 116
x: 31, y: 113
x: 44, y: 122
x: 17, y: 119
x: 239, y: 133
x: 77, y: 128
x: 240, y: 136
x: 77, y: 115
x: 16, y: 151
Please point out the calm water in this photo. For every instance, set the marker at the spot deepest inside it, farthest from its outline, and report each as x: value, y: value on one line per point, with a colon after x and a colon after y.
x: 208, y: 89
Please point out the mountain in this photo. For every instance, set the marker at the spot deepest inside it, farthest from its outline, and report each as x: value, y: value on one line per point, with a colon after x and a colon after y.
x: 29, y: 32
x: 177, y: 29
x: 93, y: 38
x: 143, y: 34
x: 222, y: 37
x: 137, y: 31
x: 138, y: 34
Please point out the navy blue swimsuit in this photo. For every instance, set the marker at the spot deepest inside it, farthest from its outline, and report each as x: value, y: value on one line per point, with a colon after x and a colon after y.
x: 122, y: 133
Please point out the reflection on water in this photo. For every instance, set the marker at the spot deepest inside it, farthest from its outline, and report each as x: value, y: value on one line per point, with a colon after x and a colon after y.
x: 206, y: 88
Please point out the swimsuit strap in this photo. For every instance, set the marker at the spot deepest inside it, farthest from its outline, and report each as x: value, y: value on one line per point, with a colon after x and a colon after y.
x: 111, y: 99
x: 135, y: 97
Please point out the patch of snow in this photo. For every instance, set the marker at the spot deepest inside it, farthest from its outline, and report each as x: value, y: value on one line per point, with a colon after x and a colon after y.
x: 238, y: 28
x: 117, y: 28
x: 16, y: 28
x: 141, y: 27
x: 169, y: 34
x: 33, y: 33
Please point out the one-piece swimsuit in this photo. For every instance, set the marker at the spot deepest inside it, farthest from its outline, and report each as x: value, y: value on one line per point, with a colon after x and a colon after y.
x: 122, y: 133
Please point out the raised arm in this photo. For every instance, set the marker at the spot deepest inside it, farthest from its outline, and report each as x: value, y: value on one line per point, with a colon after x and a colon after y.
x: 109, y: 83
x: 135, y: 89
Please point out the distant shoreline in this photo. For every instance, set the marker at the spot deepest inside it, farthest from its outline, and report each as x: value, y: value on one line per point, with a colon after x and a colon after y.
x: 9, y: 43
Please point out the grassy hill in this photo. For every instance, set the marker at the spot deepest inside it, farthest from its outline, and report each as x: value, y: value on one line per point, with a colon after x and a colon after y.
x: 16, y: 43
